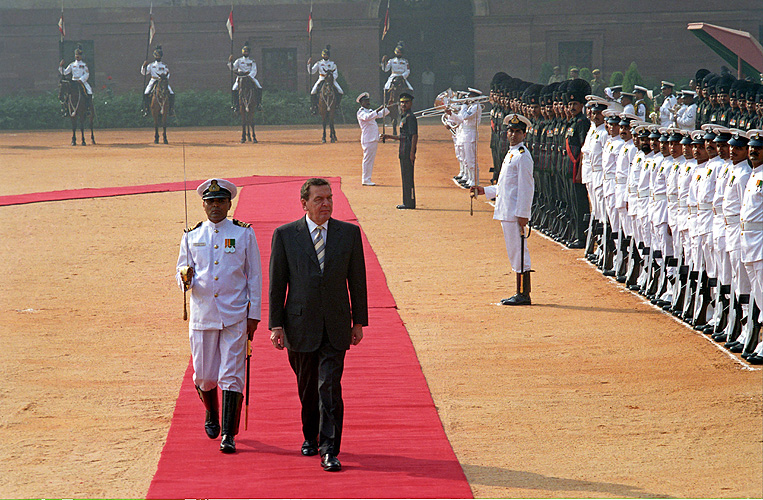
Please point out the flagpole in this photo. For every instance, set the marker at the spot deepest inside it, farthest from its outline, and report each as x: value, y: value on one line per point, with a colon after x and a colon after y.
x: 309, y: 44
x: 148, y: 40
x: 61, y: 30
x: 230, y: 33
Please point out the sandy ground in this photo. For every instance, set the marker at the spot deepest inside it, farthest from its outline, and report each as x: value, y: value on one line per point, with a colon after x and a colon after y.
x: 591, y: 392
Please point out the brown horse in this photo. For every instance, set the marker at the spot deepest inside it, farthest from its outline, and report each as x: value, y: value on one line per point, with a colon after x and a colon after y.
x: 77, y: 107
x: 327, y: 104
x: 248, y: 101
x: 160, y: 107
x: 398, y: 87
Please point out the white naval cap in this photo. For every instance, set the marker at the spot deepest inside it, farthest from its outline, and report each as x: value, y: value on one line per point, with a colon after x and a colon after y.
x: 216, y: 188
x: 666, y: 84
x: 639, y: 88
x: 514, y: 120
x: 362, y: 96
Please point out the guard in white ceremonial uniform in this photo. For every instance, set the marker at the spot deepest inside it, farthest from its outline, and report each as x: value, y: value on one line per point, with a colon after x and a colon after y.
x: 622, y: 171
x: 513, y: 202
x: 468, y: 119
x: 592, y: 155
x: 156, y: 70
x: 397, y: 66
x: 79, y: 71
x: 323, y: 67
x: 751, y: 217
x: 219, y: 262
x: 686, y: 117
x: 668, y: 104
x: 369, y: 133
x: 244, y: 67
x: 640, y: 104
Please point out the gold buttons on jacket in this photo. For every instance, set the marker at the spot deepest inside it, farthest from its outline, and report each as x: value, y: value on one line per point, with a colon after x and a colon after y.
x: 215, y: 246
x: 215, y: 262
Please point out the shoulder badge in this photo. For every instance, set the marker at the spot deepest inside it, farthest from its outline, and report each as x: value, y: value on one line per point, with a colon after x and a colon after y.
x: 240, y: 224
x: 188, y: 230
x: 521, y: 149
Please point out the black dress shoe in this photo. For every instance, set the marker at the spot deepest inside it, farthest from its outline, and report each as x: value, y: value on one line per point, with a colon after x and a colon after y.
x: 228, y: 444
x: 609, y: 273
x: 403, y: 207
x: 330, y: 463
x: 576, y: 244
x: 730, y: 344
x: 736, y: 349
x: 309, y: 448
x: 755, y: 360
x: 517, y: 300
x: 720, y: 337
x: 747, y: 355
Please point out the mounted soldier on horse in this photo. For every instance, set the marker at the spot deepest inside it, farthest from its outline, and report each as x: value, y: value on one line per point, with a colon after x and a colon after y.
x: 246, y: 92
x: 326, y: 93
x: 76, y: 96
x: 397, y: 83
x: 158, y: 97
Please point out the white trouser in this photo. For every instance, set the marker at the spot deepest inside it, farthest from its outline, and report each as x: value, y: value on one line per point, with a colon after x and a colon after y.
x: 151, y: 84
x: 612, y: 214
x: 706, y: 251
x: 238, y: 79
x: 646, y: 230
x: 626, y: 223
x: 318, y: 83
x: 722, y: 261
x: 219, y: 357
x: 660, y: 240
x: 369, y: 155
x: 470, y: 161
x: 388, y: 83
x: 513, y: 239
x: 739, y: 274
x: 755, y: 273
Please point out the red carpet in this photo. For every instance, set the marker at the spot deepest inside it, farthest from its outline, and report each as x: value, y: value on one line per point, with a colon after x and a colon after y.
x: 393, y: 444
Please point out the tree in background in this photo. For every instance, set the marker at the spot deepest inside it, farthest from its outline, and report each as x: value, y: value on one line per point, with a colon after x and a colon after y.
x: 632, y: 77
x: 616, y: 78
x: 586, y: 74
x: 546, y: 70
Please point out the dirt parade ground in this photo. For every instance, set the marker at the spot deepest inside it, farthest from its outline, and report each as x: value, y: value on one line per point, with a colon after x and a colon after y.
x: 590, y: 392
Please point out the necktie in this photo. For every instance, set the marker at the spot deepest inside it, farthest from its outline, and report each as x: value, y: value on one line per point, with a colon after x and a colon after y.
x: 320, y: 245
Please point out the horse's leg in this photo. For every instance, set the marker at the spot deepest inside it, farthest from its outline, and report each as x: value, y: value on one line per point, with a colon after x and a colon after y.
x: 92, y: 135
x: 243, y: 130
x: 324, y: 130
x: 254, y: 137
x: 333, y: 132
x: 164, y: 130
x: 82, y: 130
x: 74, y: 131
x: 156, y: 132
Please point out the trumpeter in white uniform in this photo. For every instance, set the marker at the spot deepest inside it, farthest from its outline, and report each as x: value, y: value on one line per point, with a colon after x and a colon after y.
x: 686, y: 117
x: 397, y: 66
x: 323, y: 67
x: 468, y: 119
x: 156, y: 70
x: 513, y: 202
x: 640, y: 104
x: 369, y: 133
x: 219, y: 262
x: 244, y: 67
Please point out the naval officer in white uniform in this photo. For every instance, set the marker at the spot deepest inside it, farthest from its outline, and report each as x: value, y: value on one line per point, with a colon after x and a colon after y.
x: 219, y: 262
x: 513, y: 202
x: 369, y: 133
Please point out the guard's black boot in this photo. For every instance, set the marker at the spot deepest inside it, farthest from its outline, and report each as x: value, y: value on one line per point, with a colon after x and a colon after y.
x: 234, y: 101
x: 701, y: 303
x: 622, y: 268
x: 687, y: 314
x: 676, y: 306
x: 172, y: 105
x: 734, y: 326
x: 522, y: 297
x: 313, y: 104
x: 146, y: 104
x: 722, y: 305
x: 753, y: 330
x: 231, y: 418
x: 634, y: 267
x: 212, y: 420
x: 258, y: 98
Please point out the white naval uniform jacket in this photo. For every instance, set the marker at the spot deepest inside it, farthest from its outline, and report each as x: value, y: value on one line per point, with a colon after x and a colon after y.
x: 609, y: 163
x: 658, y: 206
x: 397, y: 66
x: 468, y: 117
x: 671, y: 189
x: 514, y: 192
x: 227, y: 279
x: 666, y: 117
x: 687, y: 117
x: 597, y: 149
x: 369, y: 129
x: 706, y: 174
x: 79, y: 72
x: 244, y: 65
x: 622, y: 171
x: 752, y: 211
x: 732, y: 203
x: 156, y: 69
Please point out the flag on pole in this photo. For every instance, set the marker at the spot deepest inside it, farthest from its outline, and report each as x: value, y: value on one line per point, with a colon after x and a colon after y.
x: 310, y: 22
x: 61, y: 26
x: 151, y: 30
x: 229, y: 24
x: 386, y: 22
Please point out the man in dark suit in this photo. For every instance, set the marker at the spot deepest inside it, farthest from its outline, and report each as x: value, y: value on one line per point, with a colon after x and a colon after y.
x: 318, y: 307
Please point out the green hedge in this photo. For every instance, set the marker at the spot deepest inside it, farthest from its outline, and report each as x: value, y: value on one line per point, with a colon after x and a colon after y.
x: 193, y: 109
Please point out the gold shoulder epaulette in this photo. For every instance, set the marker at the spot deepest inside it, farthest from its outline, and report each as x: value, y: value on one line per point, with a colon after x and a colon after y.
x: 521, y: 149
x: 241, y: 224
x: 194, y: 227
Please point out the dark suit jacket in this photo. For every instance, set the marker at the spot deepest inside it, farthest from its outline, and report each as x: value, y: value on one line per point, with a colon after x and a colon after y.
x: 303, y: 300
